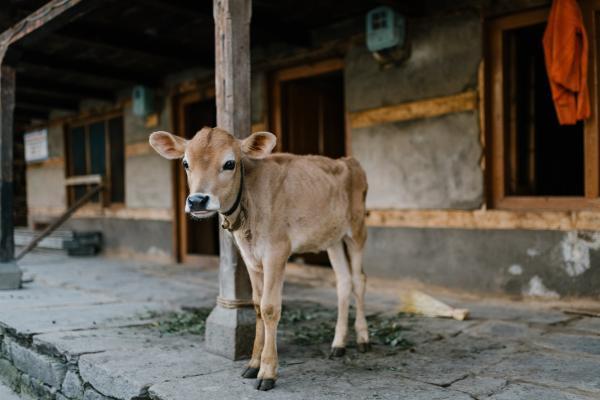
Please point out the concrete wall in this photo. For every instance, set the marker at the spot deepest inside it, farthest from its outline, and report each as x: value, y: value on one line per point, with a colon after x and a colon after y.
x: 528, y: 262
x: 148, y: 186
x: 427, y: 163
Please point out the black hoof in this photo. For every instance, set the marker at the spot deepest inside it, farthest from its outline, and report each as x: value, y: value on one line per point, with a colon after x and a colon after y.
x: 250, y: 373
x: 337, y: 352
x: 363, y: 347
x: 265, y: 384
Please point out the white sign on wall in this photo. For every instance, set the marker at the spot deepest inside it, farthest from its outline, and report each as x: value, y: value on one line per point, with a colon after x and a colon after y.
x: 36, y: 146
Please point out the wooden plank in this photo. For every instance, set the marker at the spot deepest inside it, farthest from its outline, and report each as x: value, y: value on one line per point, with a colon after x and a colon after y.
x: 485, y: 219
x: 73, y: 90
x: 115, y: 211
x: 310, y: 69
x: 232, y: 89
x: 591, y: 134
x: 84, y: 180
x: 465, y: 101
x: 49, y: 17
x: 7, y: 106
x: 297, y: 72
x: 54, y: 162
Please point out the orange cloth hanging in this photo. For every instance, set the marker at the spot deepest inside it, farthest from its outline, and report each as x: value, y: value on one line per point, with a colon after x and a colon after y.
x: 566, y: 53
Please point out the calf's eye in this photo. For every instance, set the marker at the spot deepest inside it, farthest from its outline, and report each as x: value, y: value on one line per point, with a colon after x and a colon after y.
x: 185, y: 164
x: 229, y: 165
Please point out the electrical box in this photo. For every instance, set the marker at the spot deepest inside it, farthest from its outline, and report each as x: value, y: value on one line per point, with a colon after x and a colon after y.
x: 143, y: 101
x: 385, y: 29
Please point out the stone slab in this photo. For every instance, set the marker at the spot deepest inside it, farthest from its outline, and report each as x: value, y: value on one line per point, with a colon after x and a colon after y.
x: 556, y: 370
x: 317, y: 379
x: 32, y: 388
x: 525, y: 391
x: 10, y: 276
x: 126, y: 374
x: 584, y: 344
x: 479, y: 386
x: 504, y: 330
x: 91, y: 394
x: 36, y: 321
x: 515, y: 312
x: 72, y: 344
x: 47, y: 369
x: 40, y: 296
x: 6, y: 393
x: 9, y: 375
x: 72, y: 385
x: 587, y: 324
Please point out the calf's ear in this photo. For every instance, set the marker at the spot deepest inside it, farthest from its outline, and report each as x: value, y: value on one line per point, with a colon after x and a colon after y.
x: 258, y: 145
x: 168, y: 145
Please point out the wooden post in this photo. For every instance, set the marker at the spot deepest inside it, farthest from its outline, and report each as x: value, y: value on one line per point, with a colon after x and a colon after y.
x: 230, y: 326
x: 10, y: 274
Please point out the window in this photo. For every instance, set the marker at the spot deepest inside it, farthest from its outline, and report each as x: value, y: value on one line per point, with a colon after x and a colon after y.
x: 533, y: 161
x: 97, y: 148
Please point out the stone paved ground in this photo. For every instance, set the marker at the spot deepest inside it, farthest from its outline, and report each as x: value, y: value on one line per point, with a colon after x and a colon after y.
x: 92, y: 328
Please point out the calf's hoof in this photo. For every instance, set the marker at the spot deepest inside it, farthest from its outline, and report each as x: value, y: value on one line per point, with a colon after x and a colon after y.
x: 337, y: 352
x: 363, y: 347
x: 250, y: 373
x: 265, y: 384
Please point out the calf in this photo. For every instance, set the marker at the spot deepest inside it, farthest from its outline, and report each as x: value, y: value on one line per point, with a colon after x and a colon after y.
x: 276, y: 205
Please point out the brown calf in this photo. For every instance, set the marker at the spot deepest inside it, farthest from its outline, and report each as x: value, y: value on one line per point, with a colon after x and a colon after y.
x: 276, y: 205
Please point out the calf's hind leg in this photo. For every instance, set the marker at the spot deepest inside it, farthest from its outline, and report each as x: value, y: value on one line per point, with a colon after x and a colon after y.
x: 359, y: 280
x: 339, y: 262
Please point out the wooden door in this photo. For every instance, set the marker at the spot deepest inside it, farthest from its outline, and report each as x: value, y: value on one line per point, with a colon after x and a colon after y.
x: 197, y: 238
x: 311, y: 118
x: 312, y: 115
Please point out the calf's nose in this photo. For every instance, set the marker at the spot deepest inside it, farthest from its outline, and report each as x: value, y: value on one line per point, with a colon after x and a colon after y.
x: 197, y: 202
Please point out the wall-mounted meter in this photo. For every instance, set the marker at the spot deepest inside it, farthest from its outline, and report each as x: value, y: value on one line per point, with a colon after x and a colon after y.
x: 385, y: 29
x: 143, y: 101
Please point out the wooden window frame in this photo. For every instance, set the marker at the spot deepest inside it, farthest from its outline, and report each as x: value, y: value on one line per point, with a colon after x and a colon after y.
x: 495, y: 103
x: 105, y: 197
x: 298, y: 72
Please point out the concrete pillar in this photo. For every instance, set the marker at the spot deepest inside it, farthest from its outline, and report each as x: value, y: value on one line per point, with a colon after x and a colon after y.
x: 10, y: 274
x: 230, y: 326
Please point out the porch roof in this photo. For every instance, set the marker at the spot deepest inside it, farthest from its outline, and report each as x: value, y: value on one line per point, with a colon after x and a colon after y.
x: 118, y: 44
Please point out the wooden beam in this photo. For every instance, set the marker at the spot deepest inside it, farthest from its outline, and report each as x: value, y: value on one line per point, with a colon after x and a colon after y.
x: 45, y: 102
x: 466, y: 101
x: 49, y: 17
x: 485, y: 219
x: 28, y: 114
x: 72, y: 65
x: 7, y: 107
x: 116, y: 38
x: 228, y: 332
x: 28, y: 84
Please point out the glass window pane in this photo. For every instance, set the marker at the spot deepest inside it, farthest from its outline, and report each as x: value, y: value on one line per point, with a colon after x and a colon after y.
x: 77, y: 151
x: 97, y: 148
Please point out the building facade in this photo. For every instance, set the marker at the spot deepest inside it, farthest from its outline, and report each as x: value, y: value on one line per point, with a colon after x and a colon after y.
x: 473, y: 184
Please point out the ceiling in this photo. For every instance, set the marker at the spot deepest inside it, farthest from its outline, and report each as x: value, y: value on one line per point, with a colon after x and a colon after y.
x: 141, y: 41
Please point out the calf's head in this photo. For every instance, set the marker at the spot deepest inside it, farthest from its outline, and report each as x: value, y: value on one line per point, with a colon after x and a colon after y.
x: 212, y: 160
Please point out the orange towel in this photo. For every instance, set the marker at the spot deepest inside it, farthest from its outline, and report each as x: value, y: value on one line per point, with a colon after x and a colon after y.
x: 566, y: 54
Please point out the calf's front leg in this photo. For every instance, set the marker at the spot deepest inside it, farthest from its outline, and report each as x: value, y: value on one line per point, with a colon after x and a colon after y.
x: 270, y: 310
x: 256, y: 279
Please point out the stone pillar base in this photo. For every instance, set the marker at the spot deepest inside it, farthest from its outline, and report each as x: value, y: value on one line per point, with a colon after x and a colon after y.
x: 10, y: 276
x: 230, y: 332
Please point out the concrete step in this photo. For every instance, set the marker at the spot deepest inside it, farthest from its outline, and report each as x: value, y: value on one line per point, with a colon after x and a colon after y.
x: 54, y: 241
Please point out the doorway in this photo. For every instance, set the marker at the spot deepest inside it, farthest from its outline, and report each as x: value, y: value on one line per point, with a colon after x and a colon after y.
x: 309, y: 117
x: 196, y: 238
